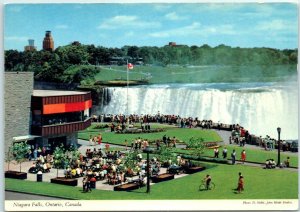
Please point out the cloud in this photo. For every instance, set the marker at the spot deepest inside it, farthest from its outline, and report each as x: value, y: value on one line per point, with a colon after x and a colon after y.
x: 126, y: 21
x: 174, y: 17
x: 16, y: 38
x: 198, y: 29
x: 276, y: 25
x: 61, y: 26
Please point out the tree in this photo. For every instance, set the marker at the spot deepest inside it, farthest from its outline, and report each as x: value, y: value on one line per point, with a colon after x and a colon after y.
x: 131, y: 160
x: 19, y: 152
x: 165, y: 154
x: 197, y: 146
x: 60, y: 158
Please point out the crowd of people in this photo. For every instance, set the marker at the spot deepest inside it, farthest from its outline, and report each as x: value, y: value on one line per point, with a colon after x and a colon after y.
x: 145, y: 121
x: 239, y: 134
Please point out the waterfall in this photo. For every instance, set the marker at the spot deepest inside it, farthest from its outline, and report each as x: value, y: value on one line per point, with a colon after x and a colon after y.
x: 259, y: 107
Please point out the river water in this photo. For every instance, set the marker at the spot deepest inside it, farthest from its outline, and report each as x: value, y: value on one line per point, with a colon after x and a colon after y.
x: 259, y: 107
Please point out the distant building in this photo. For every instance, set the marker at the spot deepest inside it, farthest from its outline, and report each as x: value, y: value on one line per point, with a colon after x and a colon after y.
x: 48, y: 43
x: 76, y: 43
x: 172, y: 43
x: 30, y: 46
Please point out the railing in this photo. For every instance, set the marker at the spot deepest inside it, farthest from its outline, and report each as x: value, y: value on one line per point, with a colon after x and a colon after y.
x: 60, y: 128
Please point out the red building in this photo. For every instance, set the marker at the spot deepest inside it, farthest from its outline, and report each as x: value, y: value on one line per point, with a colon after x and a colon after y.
x: 48, y: 43
x: 57, y: 116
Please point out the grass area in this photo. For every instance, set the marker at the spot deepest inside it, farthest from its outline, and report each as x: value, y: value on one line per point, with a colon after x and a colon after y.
x: 198, y: 74
x: 253, y: 155
x: 259, y: 184
x: 181, y: 134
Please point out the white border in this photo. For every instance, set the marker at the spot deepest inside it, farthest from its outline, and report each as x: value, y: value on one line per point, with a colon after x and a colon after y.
x: 136, y: 205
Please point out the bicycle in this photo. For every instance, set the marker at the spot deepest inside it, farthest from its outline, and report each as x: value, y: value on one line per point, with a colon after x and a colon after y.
x: 211, y: 186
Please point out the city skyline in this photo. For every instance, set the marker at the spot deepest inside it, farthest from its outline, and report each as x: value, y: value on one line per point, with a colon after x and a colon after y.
x: 246, y: 25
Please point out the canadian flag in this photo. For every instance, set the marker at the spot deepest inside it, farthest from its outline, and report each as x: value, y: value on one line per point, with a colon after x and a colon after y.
x: 129, y: 66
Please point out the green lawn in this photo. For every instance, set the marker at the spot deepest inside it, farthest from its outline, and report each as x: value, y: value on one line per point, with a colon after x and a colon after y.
x: 181, y: 134
x: 259, y: 184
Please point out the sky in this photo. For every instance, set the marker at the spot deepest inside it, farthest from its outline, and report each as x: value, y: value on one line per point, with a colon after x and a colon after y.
x: 246, y: 25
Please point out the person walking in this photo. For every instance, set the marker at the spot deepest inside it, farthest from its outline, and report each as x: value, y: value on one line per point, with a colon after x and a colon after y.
x: 240, y: 187
x: 233, y: 155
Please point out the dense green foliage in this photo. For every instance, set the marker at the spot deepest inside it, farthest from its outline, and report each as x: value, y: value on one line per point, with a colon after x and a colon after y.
x: 197, y: 146
x: 75, y: 63
x: 259, y: 184
x: 63, y: 158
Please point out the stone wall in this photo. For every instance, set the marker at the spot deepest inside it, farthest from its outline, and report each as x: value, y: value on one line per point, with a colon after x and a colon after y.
x: 18, y: 88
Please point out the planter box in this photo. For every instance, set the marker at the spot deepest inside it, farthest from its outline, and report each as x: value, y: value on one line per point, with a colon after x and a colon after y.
x: 193, y: 170
x: 127, y: 187
x: 16, y: 175
x: 162, y: 177
x: 65, y: 181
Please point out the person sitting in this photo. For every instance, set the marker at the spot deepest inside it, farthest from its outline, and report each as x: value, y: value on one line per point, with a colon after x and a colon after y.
x: 268, y: 164
x: 79, y: 172
x: 273, y: 164
x: 73, y: 172
x: 207, y: 181
x: 68, y: 173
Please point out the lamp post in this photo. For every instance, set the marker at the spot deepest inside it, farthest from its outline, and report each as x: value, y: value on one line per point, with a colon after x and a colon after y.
x: 279, y: 131
x: 148, y: 150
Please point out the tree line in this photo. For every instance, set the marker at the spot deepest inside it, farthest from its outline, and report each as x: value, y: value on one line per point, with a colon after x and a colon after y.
x: 75, y: 62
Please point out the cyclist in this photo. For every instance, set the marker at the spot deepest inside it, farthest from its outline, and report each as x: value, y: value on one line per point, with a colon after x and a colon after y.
x: 207, y: 181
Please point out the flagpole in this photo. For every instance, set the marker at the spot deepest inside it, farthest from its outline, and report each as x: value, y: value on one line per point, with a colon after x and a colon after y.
x: 127, y: 88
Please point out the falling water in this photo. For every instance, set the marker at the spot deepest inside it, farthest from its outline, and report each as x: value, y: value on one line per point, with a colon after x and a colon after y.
x: 259, y: 107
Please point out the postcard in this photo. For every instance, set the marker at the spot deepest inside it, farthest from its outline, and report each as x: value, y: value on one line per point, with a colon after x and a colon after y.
x: 150, y: 106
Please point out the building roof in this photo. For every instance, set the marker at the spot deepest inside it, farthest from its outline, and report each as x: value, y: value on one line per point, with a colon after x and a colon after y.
x: 45, y: 93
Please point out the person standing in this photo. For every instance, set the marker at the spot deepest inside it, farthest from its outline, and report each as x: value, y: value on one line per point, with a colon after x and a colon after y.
x: 243, y: 156
x: 233, y: 155
x: 216, y: 151
x: 35, y: 153
x: 224, y: 153
x: 91, y: 140
x: 99, y: 139
x: 84, y: 184
x: 126, y: 143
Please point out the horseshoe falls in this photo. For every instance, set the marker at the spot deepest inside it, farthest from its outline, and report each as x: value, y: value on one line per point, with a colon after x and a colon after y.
x: 259, y: 107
